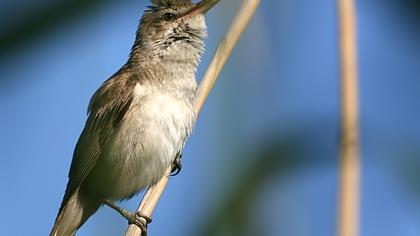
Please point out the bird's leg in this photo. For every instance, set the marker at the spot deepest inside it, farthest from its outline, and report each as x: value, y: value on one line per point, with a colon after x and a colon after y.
x: 176, y: 165
x: 133, y: 218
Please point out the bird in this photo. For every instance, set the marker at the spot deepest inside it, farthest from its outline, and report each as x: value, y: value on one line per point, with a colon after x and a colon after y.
x: 140, y: 118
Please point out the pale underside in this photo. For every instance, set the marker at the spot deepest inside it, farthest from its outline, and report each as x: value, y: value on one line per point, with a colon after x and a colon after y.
x: 153, y: 131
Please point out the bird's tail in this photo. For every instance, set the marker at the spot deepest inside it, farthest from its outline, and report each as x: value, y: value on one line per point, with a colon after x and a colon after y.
x: 73, y: 214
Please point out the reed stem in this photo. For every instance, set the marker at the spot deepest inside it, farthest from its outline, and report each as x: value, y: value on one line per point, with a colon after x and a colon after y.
x: 349, y: 191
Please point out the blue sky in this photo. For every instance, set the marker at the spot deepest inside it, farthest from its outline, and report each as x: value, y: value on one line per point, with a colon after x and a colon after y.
x: 282, y: 79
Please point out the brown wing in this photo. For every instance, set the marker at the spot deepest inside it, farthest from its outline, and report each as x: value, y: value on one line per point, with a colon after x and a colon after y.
x: 107, y: 110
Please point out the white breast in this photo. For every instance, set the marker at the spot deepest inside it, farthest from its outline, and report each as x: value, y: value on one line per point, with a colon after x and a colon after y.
x: 153, y: 132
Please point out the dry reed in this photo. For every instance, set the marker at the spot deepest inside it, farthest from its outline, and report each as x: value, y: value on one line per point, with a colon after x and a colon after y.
x: 348, y: 221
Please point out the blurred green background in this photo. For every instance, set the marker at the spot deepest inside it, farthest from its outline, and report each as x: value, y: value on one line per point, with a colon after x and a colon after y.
x: 263, y: 157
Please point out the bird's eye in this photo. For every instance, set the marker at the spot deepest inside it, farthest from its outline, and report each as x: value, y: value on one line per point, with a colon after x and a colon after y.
x: 169, y: 16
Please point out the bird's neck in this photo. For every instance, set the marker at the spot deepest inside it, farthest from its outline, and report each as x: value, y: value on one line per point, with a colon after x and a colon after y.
x: 171, y: 71
x: 181, y: 55
x: 174, y: 65
x: 165, y: 65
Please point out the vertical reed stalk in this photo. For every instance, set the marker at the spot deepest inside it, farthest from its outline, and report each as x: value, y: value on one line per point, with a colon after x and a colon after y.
x: 348, y: 222
x: 247, y: 10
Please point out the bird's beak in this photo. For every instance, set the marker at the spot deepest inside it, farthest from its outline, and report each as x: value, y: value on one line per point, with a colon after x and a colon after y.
x: 201, y: 7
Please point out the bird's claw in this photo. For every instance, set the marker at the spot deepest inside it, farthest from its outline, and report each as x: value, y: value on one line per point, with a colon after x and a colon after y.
x: 141, y: 221
x: 177, y: 165
x: 133, y: 218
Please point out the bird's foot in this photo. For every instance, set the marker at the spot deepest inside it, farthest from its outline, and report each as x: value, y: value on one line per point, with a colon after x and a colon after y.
x: 133, y: 218
x: 140, y: 220
x: 176, y: 165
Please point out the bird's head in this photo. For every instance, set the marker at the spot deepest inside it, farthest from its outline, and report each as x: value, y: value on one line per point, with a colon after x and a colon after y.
x: 173, y: 30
